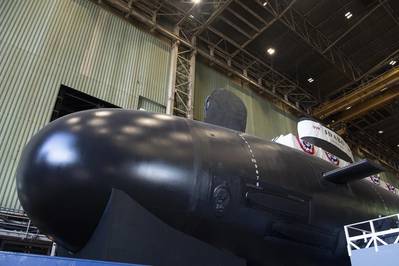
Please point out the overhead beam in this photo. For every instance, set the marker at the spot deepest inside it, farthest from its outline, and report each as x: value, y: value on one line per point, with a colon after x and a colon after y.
x: 186, y: 15
x: 254, y: 14
x: 250, y: 24
x: 313, y: 37
x: 386, y: 80
x: 370, y: 151
x: 367, y: 76
x: 362, y: 108
x: 234, y: 26
x: 354, y: 26
x: 391, y: 118
x: 212, y: 17
x: 374, y: 147
x: 390, y: 12
x: 264, y: 28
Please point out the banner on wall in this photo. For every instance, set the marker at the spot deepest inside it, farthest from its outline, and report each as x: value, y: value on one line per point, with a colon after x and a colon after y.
x: 321, y: 136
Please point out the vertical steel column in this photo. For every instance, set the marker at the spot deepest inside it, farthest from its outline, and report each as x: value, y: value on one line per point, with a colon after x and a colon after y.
x: 172, y: 76
x: 53, y: 249
x: 181, y: 80
x: 191, y: 84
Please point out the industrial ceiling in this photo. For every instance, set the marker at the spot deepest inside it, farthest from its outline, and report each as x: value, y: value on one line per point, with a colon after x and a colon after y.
x: 335, y: 60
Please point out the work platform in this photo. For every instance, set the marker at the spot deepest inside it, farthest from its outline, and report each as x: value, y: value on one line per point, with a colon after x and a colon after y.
x: 17, y: 234
x: 22, y: 259
x: 374, y: 242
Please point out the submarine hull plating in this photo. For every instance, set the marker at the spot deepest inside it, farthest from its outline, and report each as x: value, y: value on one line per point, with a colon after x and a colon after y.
x: 227, y: 188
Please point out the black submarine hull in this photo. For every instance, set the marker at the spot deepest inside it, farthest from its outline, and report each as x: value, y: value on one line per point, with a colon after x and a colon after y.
x: 232, y: 190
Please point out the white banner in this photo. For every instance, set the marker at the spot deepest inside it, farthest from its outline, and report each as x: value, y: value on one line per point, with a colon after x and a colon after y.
x: 293, y: 141
x: 321, y: 136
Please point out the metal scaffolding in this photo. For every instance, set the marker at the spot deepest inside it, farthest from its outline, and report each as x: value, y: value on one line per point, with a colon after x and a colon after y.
x: 18, y: 234
x: 182, y: 76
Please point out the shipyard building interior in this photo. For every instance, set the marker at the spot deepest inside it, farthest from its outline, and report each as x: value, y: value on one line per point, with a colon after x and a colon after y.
x: 199, y: 132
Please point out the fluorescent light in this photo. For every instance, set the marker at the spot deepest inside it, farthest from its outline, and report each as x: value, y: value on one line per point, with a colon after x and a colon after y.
x: 271, y: 51
x: 349, y: 107
x: 392, y: 63
x: 380, y: 132
x: 196, y: 1
x: 264, y: 3
x: 348, y: 15
x: 310, y: 80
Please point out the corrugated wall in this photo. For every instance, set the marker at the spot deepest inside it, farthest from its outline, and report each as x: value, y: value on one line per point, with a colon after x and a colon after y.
x: 150, y: 106
x: 263, y: 118
x: 46, y: 43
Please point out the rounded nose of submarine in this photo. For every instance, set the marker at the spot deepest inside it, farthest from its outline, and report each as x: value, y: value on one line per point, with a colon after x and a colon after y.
x: 55, y: 181
x: 69, y: 168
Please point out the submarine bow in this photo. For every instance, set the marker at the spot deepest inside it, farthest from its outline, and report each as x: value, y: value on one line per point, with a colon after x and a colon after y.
x: 68, y: 169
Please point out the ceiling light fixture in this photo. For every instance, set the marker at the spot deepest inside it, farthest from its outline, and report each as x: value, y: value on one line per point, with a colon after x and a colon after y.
x: 196, y: 1
x: 271, y: 51
x: 392, y: 63
x: 380, y: 132
x: 310, y: 80
x: 349, y: 107
x: 348, y: 15
x: 264, y: 3
x: 191, y: 16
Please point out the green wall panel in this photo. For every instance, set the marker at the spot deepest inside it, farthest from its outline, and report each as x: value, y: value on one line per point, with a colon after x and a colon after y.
x: 46, y: 43
x: 263, y: 118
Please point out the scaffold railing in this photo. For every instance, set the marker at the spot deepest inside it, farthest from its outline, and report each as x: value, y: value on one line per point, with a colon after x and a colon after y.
x: 16, y: 224
x: 381, y: 231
